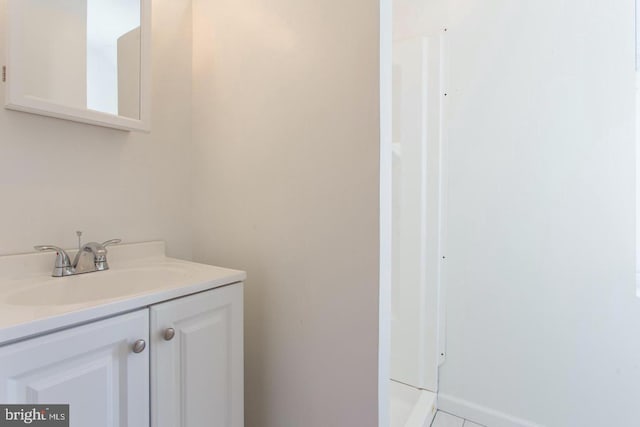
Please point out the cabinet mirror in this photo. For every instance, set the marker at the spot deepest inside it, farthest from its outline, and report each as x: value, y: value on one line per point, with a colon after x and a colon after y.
x: 80, y: 60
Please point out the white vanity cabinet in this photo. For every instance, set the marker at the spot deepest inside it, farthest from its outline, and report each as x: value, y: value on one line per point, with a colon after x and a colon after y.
x: 197, y: 360
x: 192, y: 375
x: 92, y: 368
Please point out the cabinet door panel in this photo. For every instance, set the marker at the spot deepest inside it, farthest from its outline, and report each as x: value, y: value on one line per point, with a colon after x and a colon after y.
x: 197, y: 377
x: 90, y: 367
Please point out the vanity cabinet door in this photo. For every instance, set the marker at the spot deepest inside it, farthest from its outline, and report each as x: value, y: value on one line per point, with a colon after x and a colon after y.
x: 197, y: 360
x: 93, y: 368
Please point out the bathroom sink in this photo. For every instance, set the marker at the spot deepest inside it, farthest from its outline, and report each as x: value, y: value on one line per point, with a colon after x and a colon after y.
x: 111, y: 284
x: 140, y: 275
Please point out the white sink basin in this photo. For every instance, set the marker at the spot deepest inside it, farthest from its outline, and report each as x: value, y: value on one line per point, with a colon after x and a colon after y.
x: 110, y: 284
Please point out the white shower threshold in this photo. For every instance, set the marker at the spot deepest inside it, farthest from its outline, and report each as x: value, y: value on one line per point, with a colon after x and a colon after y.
x: 411, y: 407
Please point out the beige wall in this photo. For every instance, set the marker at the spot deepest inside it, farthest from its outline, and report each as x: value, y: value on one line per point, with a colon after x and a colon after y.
x: 58, y: 176
x: 282, y: 176
x: 286, y: 187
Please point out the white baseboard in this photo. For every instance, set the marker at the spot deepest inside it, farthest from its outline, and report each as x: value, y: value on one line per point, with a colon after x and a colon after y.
x: 424, y: 411
x: 410, y: 406
x: 480, y: 414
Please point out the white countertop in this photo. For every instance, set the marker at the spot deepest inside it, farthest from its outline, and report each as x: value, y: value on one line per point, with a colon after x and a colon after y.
x: 32, y: 302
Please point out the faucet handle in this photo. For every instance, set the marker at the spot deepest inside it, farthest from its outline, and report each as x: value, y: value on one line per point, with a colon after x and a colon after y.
x: 101, y: 256
x: 62, y: 264
x: 111, y: 242
x: 48, y: 248
x: 62, y: 259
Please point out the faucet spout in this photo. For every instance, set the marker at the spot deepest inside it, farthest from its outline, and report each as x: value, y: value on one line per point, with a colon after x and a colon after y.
x: 89, y: 257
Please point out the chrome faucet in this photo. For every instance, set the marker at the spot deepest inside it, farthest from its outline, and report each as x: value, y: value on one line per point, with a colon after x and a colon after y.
x: 90, y: 257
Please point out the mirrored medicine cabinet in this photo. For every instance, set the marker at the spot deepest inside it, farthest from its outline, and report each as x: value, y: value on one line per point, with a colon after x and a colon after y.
x: 81, y: 60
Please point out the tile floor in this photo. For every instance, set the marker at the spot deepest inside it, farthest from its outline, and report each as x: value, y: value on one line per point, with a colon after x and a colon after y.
x: 442, y: 419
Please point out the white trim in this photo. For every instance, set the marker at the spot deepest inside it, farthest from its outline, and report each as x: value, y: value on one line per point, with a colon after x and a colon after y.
x: 442, y: 197
x: 17, y: 100
x: 424, y: 411
x: 480, y: 414
x: 415, y: 330
x: 384, y: 326
x: 637, y: 182
x: 637, y: 32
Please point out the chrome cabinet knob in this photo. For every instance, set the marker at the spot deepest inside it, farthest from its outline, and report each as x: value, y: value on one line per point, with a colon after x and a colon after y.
x: 139, y: 346
x: 169, y: 333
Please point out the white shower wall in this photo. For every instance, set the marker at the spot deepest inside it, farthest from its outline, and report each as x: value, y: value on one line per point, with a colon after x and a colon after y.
x: 542, y: 316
